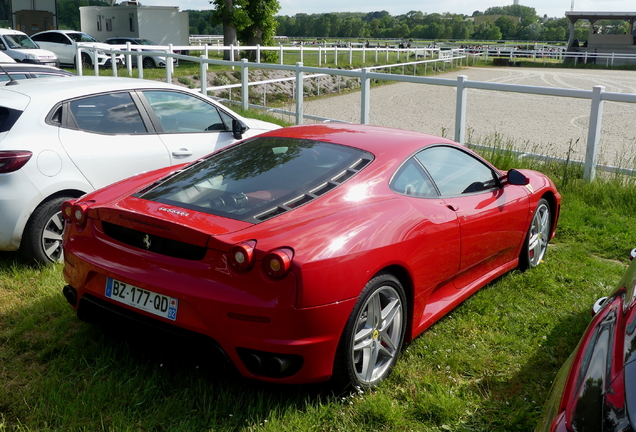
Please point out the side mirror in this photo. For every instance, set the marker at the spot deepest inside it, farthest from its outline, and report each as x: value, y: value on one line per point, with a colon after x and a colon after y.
x: 598, y: 305
x: 238, y: 128
x: 517, y: 178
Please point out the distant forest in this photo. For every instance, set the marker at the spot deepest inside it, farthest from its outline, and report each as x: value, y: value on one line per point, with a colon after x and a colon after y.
x: 381, y: 25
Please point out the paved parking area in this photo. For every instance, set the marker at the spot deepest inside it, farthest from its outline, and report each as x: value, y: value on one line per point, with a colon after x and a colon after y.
x: 540, y: 124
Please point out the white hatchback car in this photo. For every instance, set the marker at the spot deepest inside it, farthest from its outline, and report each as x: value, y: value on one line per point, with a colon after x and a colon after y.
x: 63, y: 137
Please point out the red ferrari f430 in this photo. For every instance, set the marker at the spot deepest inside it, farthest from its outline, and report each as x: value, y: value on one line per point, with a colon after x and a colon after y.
x: 307, y: 252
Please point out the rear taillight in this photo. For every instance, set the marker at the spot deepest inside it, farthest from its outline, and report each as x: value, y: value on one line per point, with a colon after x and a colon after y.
x: 11, y: 161
x: 67, y: 210
x: 75, y: 212
x: 277, y: 263
x: 242, y: 255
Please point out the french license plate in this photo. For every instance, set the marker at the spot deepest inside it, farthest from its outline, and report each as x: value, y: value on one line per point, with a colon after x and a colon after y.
x: 139, y: 298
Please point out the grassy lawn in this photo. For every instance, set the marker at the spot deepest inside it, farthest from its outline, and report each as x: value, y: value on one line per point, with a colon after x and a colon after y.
x: 487, y: 366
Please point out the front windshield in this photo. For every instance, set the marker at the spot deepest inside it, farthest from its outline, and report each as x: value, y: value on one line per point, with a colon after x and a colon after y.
x: 20, y: 41
x: 81, y: 37
x: 258, y: 177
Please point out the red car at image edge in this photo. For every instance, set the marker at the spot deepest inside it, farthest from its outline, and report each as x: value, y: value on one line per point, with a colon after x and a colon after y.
x: 308, y: 252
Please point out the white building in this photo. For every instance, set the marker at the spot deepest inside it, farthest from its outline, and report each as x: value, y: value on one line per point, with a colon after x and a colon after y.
x: 161, y: 24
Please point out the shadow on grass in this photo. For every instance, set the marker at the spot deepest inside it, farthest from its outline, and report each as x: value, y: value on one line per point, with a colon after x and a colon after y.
x: 517, y: 403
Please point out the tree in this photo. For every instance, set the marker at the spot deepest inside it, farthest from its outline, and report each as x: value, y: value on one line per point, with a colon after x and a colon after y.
x: 232, y: 15
x: 251, y: 21
x: 262, y: 27
x: 487, y: 31
x: 507, y: 26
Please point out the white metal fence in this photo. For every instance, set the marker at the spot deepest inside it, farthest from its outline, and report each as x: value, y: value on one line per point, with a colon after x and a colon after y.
x: 597, y: 95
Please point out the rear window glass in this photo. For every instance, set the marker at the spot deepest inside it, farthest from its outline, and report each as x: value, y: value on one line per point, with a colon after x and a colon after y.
x: 8, y: 117
x: 260, y: 178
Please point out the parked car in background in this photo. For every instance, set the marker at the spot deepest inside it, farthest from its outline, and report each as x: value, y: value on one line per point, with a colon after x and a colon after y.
x: 307, y: 252
x: 147, y: 61
x: 5, y: 58
x: 64, y: 44
x: 595, y: 390
x: 21, y: 48
x: 64, y: 137
x: 19, y: 71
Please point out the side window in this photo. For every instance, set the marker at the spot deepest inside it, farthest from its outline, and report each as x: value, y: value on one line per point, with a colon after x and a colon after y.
x: 52, y: 37
x: 15, y: 76
x: 180, y: 112
x: 456, y: 172
x: 413, y: 181
x: 113, y: 113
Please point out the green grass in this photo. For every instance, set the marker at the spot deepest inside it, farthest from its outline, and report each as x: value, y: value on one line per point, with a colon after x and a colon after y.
x: 487, y: 366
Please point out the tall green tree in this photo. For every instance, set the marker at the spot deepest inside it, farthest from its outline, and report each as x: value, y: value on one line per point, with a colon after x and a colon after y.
x: 262, y: 26
x: 252, y: 22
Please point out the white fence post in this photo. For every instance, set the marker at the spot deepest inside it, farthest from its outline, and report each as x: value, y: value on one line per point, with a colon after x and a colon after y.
x: 365, y: 85
x: 245, y: 96
x: 460, y: 111
x: 232, y: 54
x: 299, y: 93
x: 594, y: 133
x: 128, y: 60
x: 78, y: 61
x: 335, y: 56
x: 280, y: 54
x: 319, y: 56
x: 113, y: 62
x: 258, y: 53
x: 302, y: 53
x: 168, y: 68
x: 350, y: 54
x: 140, y: 66
x: 203, y: 75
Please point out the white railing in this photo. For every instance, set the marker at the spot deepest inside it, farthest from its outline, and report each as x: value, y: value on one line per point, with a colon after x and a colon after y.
x: 597, y: 95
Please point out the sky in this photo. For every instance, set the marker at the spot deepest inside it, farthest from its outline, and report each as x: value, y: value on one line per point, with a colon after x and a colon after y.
x: 552, y: 8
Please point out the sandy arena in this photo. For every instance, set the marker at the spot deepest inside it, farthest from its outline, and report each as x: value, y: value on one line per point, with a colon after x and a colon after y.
x: 538, y: 124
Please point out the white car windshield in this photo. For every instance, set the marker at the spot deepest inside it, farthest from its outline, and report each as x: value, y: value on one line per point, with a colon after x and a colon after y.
x: 19, y: 41
x: 81, y: 37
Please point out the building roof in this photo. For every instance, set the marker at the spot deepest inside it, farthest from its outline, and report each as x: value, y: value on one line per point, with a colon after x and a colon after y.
x: 595, y: 16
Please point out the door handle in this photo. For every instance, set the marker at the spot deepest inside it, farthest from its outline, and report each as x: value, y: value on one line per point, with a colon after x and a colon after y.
x: 452, y: 207
x: 182, y: 152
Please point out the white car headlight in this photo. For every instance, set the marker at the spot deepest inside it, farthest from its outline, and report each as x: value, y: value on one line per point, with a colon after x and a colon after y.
x: 30, y: 56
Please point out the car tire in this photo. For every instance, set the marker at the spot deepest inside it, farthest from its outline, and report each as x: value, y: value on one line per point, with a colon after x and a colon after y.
x: 148, y: 63
x: 536, y: 242
x: 373, y: 335
x: 42, y: 237
x: 86, y: 60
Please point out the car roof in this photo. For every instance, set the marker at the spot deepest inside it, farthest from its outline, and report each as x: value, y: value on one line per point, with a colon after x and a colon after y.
x: 11, y: 31
x: 73, y: 86
x: 382, y: 141
x: 28, y: 67
x: 59, y: 31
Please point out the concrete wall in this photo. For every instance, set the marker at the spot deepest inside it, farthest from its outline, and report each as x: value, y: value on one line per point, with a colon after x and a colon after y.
x: 162, y: 25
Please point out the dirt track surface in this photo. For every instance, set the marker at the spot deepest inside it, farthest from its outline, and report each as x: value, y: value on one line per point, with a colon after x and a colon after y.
x: 538, y: 124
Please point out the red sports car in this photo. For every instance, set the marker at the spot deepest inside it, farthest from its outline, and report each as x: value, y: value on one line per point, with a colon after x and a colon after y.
x: 306, y: 252
x: 595, y: 390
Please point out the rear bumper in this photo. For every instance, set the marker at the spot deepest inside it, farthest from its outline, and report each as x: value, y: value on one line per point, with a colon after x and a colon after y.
x: 246, y: 318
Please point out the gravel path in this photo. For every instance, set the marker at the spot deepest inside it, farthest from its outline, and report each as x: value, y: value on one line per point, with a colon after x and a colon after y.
x: 540, y: 124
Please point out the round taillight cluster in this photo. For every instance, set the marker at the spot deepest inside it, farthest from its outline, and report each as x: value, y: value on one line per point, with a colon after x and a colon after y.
x: 277, y: 263
x: 242, y: 255
x: 76, y: 212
